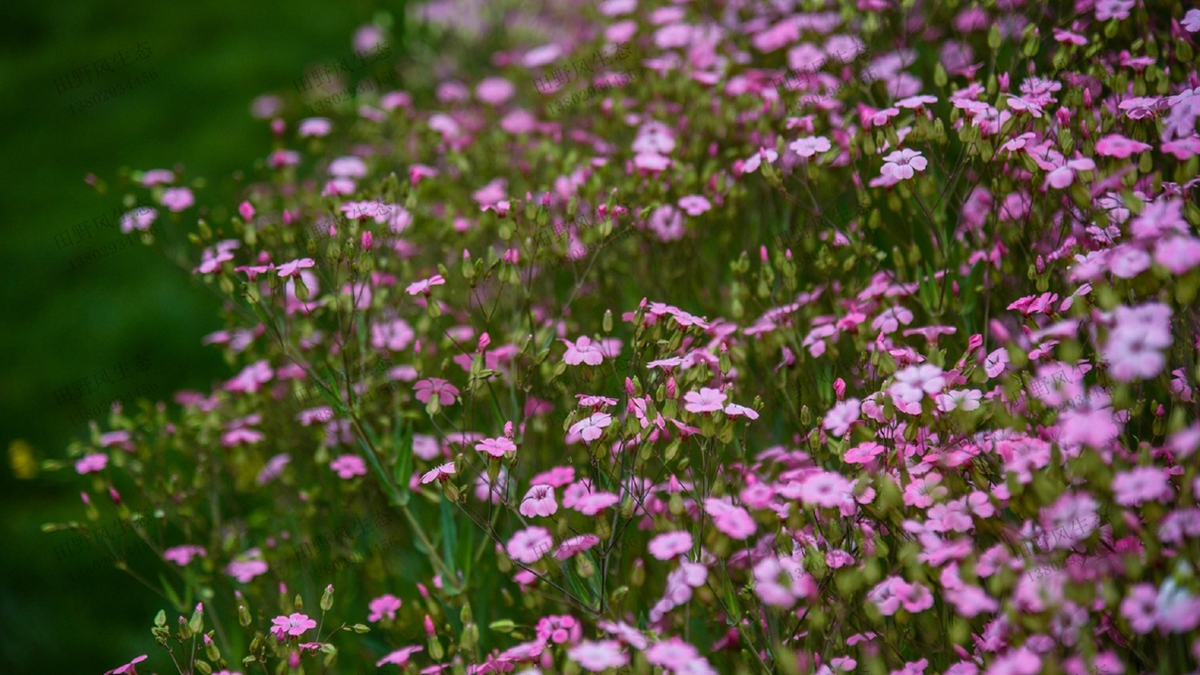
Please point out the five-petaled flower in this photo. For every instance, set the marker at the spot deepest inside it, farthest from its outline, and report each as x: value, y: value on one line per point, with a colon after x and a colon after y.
x: 902, y: 163
x: 294, y: 625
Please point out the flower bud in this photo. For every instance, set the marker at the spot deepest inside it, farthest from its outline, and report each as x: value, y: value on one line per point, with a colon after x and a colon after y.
x: 671, y: 387
x: 116, y: 496
x: 839, y: 387
x: 196, y: 624
x: 429, y: 629
x: 294, y: 660
x: 86, y: 499
x: 184, y: 631
x: 246, y: 209
x: 508, y: 430
x: 484, y: 341
x: 278, y: 126
x: 243, y: 616
x: 203, y: 667
x: 629, y: 388
x: 327, y: 599
x: 368, y: 240
x: 422, y: 590
x: 608, y: 321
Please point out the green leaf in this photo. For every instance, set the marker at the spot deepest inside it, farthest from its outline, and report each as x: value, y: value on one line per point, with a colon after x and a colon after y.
x: 449, y: 534
x: 403, y: 469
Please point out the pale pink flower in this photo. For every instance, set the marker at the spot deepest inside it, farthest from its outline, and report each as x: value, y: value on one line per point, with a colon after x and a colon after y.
x: 576, y: 545
x: 138, y: 219
x: 673, y: 654
x: 314, y: 126
x: 393, y: 335
x: 424, y: 286
x: 706, y: 400
x: 839, y: 419
x: 1116, y: 145
x: 529, y: 545
x: 900, y: 165
x: 156, y: 176
x: 399, y: 657
x: 592, y: 427
x: 497, y: 448
x: 441, y: 472
x: 782, y: 581
x: 245, y: 571
x: 694, y: 205
x: 129, y: 668
x: 914, y: 382
x: 1138, y: 607
x: 959, y: 399
x: 539, y: 501
x: 810, y: 145
x: 826, y: 489
x: 595, y: 502
x: 1140, y: 485
x: 731, y: 520
x: 348, y: 167
x: 583, y: 351
x: 670, y: 544
x: 598, y: 656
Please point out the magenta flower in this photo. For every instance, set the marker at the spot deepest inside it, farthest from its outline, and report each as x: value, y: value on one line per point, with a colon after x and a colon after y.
x: 900, y: 165
x: 349, y: 466
x: 182, y: 555
x: 1116, y: 145
x: 384, y: 605
x: 706, y: 400
x: 914, y: 382
x: 93, y: 463
x: 445, y: 392
x: 291, y: 267
x: 399, y: 657
x: 293, y: 625
x: 595, y: 502
x: 424, y: 286
x: 583, y: 351
x: 178, y: 199
x: 539, y: 501
x: 670, y: 544
x: 129, y: 668
x: 497, y: 448
x: 1064, y: 174
x: 529, y: 545
x: 576, y: 545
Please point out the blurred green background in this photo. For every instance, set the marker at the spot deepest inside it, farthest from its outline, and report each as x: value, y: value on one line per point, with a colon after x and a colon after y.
x: 211, y: 59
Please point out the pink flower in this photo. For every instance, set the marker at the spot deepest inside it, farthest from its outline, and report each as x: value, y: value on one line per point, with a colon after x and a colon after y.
x: 1127, y: 261
x: 731, y: 520
x: 1064, y: 174
x: 598, y: 656
x: 494, y: 90
x: 394, y: 336
x: 294, y: 625
x: 914, y: 382
x: 670, y: 544
x: 399, y: 657
x: 293, y: 266
x: 539, y: 501
x: 810, y: 145
x: 314, y: 126
x: 349, y: 466
x: 529, y: 545
x: 129, y: 668
x: 138, y: 219
x: 182, y: 555
x: 995, y: 362
x: 782, y: 581
x: 706, y: 400
x: 576, y: 545
x: 348, y: 167
x: 960, y: 399
x: 1140, y: 485
x: 734, y: 411
x: 559, y: 629
x: 838, y: 421
x: 1116, y: 145
x: 900, y: 164
x: 826, y: 489
x: 1113, y: 9
x: 674, y: 654
x: 595, y: 502
x: 592, y: 427
x: 93, y: 463
x: 583, y: 351
x: 497, y: 448
x: 156, y: 176
x: 426, y: 389
x: 694, y: 205
x: 178, y: 199
x: 441, y: 472
x: 244, y: 571
x: 1138, y: 608
x: 424, y: 285
x: 384, y: 604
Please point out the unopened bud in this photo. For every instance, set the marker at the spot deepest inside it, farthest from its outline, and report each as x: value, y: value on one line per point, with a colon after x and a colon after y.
x: 508, y: 430
x: 429, y: 629
x: 484, y: 341
x: 243, y: 616
x: 368, y: 240
x: 629, y: 389
x: 246, y: 209
x: 671, y: 387
x: 116, y: 496
x: 608, y: 320
x: 327, y: 599
x: 839, y: 387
